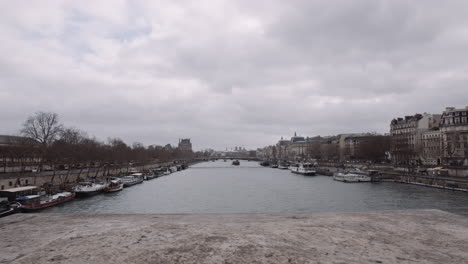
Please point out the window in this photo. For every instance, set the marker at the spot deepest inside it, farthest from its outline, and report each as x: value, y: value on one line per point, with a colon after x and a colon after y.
x: 457, y: 113
x: 26, y: 182
x: 456, y: 120
x: 464, y: 119
x: 3, y: 187
x: 10, y: 184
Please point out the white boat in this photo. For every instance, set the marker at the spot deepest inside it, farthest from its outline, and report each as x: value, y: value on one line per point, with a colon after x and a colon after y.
x: 307, y: 169
x: 114, y: 186
x: 132, y: 179
x: 89, y: 188
x: 283, y: 165
x: 355, y: 176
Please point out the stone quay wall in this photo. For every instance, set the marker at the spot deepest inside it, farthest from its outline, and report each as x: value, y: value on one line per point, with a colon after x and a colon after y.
x: 60, y: 177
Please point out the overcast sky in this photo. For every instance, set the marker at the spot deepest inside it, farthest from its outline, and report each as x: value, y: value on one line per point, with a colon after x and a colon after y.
x: 230, y: 73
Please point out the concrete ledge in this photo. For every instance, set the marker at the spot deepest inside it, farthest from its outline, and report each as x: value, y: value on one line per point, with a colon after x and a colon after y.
x: 415, y: 236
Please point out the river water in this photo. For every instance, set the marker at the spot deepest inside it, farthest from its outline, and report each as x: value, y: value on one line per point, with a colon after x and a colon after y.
x: 219, y: 187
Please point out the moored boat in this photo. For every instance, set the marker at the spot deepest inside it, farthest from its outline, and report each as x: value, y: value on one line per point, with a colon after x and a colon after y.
x: 37, y: 201
x: 283, y: 165
x: 236, y: 163
x: 150, y: 175
x: 88, y: 188
x: 8, y: 208
x: 355, y: 176
x: 306, y: 169
x: 114, y: 186
x: 132, y: 179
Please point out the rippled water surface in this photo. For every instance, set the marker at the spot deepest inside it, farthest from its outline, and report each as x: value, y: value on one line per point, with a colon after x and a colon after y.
x: 219, y: 187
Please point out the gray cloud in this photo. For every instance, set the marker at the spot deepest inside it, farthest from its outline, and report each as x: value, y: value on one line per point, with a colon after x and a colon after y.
x: 229, y: 73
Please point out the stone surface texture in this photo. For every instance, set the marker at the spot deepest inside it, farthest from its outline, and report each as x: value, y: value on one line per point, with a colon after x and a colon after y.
x: 414, y: 236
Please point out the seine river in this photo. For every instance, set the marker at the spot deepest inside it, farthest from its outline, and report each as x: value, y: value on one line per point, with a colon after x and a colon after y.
x: 219, y: 187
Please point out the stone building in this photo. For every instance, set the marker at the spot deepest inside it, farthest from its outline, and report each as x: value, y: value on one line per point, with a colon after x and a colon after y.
x: 365, y: 147
x: 297, y: 147
x: 344, y: 144
x: 454, y: 136
x: 431, y: 147
x: 185, y: 145
x: 282, y: 149
x: 406, y: 136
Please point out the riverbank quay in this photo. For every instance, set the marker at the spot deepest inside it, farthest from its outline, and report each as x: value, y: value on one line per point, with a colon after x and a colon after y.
x: 414, y: 236
x: 449, y: 183
x: 390, y: 174
x: 61, y: 177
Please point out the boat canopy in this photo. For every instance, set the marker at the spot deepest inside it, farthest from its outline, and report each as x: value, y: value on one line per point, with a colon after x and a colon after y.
x: 19, y: 189
x: 13, y: 193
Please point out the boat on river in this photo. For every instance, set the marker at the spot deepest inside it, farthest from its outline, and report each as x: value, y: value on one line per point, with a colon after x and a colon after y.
x: 283, y: 165
x: 152, y: 174
x: 134, y: 178
x: 236, y: 163
x: 356, y: 175
x: 114, y: 186
x: 36, y: 202
x: 307, y: 169
x: 274, y: 164
x: 8, y: 208
x: 88, y: 188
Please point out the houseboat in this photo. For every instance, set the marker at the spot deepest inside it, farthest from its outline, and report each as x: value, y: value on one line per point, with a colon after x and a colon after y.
x: 283, y: 165
x: 132, y: 179
x: 307, y: 169
x: 356, y: 175
x: 114, y: 186
x: 36, y: 202
x: 88, y: 188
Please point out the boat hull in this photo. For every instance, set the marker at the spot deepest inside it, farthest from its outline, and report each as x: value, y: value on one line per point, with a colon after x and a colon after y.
x: 351, y: 178
x: 305, y: 173
x: 36, y: 207
x: 128, y: 184
x: 87, y: 193
x: 111, y: 190
x: 8, y: 212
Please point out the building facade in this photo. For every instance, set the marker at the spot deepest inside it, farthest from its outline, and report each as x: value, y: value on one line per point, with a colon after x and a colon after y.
x: 454, y: 136
x: 185, y: 145
x: 406, y: 133
x: 431, y: 147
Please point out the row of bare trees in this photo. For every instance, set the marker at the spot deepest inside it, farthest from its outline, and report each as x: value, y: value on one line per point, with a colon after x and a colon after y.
x: 48, y: 144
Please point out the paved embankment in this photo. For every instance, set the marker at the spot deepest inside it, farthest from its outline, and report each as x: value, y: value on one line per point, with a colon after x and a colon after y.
x: 419, y: 236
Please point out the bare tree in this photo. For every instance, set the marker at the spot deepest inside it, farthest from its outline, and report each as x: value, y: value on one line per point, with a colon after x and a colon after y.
x: 42, y: 127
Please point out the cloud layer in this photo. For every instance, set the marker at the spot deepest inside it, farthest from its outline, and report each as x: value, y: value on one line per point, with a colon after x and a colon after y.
x: 228, y: 73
